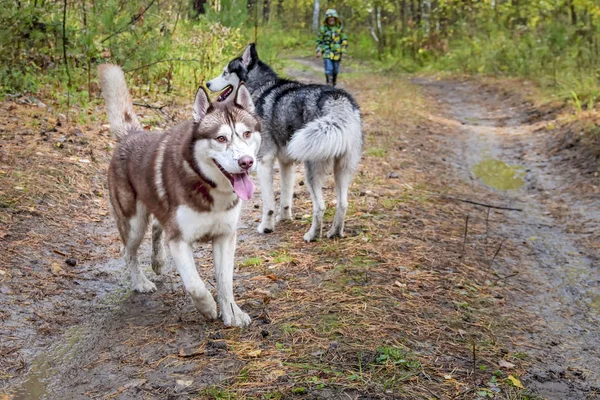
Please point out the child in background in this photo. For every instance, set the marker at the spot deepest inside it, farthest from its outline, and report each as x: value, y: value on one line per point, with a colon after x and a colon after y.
x: 331, y: 44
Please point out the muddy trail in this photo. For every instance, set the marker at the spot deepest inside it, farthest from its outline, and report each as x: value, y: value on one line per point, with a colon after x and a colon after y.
x: 558, y: 275
x: 411, y: 305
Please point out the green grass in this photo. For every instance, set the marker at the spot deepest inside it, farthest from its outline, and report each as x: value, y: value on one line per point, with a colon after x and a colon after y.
x: 252, y: 261
x: 281, y: 256
x: 376, y: 152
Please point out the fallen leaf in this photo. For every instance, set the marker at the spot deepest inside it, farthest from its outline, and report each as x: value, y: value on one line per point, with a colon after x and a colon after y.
x: 191, y: 351
x: 56, y: 269
x: 401, y: 285
x: 272, y: 277
x: 506, y: 364
x: 183, y: 383
x: 278, y: 372
x: 515, y: 382
x: 255, y: 353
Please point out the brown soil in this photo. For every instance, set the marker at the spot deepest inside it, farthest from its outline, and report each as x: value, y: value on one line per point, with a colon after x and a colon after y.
x: 408, y: 306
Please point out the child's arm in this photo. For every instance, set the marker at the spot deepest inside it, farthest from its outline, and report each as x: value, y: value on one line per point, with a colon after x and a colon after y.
x: 320, y: 41
x: 344, y: 42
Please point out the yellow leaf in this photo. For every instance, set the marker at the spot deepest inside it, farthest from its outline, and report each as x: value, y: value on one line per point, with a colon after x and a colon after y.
x: 56, y: 269
x: 515, y: 382
x: 255, y: 353
x: 278, y: 372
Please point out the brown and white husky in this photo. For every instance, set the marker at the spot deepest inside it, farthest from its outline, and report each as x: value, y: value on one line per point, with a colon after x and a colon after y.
x: 190, y: 179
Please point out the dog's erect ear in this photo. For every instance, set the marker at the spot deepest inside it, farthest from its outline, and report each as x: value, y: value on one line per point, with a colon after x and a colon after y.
x: 201, y: 105
x: 250, y: 56
x: 243, y: 98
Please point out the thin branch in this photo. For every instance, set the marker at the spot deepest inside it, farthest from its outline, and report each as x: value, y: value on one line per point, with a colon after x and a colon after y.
x: 503, y: 278
x: 134, y: 19
x: 462, y: 253
x: 150, y: 106
x: 496, y: 253
x: 482, y: 204
x: 161, y: 61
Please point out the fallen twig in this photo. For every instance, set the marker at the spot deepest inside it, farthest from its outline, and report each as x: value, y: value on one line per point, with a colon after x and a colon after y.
x: 497, y: 251
x: 462, y: 253
x: 502, y: 278
x: 482, y: 204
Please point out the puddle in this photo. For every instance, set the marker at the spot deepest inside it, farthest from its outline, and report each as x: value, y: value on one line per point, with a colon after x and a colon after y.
x: 42, y: 372
x: 499, y: 175
x: 46, y: 367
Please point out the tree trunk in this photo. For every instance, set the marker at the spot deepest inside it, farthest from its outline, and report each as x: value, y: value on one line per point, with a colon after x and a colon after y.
x: 266, y: 10
x: 573, y: 13
x: 199, y: 6
x: 404, y: 18
x: 280, y: 10
x: 315, y: 22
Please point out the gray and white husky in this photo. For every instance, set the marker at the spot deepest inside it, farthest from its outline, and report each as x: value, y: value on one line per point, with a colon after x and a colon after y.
x: 190, y: 179
x: 316, y: 124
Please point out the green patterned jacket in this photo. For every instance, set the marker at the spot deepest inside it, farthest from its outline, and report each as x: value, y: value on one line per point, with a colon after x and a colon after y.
x: 332, y: 42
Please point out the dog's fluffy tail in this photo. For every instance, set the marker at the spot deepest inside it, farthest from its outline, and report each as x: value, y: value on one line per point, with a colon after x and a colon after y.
x: 121, y: 115
x: 336, y: 134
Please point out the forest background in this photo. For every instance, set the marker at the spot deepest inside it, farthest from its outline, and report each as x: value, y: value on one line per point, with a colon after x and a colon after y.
x: 51, y: 47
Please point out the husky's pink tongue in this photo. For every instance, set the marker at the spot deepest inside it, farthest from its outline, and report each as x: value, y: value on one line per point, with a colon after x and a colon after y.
x: 243, y: 186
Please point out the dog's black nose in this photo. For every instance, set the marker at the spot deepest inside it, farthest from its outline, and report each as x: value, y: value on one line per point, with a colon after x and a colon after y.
x: 246, y: 162
x: 208, y: 85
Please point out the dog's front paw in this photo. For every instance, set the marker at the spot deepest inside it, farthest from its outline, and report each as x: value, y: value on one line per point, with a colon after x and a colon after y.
x: 284, y: 215
x: 234, y: 316
x: 207, y: 307
x: 334, y: 232
x: 265, y: 228
x: 143, y: 285
x: 311, y: 236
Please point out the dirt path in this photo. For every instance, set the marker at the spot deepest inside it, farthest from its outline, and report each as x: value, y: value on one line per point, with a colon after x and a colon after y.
x: 403, y: 308
x: 558, y: 276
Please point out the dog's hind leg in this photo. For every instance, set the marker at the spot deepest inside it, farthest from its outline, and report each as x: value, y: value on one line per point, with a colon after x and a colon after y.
x: 137, y: 228
x: 223, y: 251
x: 265, y: 177
x: 343, y: 176
x: 287, y: 190
x: 158, y: 248
x: 314, y: 182
x: 184, y: 261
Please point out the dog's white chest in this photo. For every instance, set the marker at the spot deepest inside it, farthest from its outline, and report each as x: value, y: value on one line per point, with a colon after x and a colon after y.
x: 197, y: 225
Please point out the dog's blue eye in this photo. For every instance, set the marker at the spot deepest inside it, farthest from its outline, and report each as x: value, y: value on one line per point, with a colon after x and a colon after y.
x: 225, y: 73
